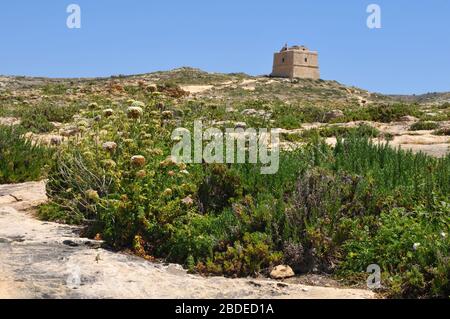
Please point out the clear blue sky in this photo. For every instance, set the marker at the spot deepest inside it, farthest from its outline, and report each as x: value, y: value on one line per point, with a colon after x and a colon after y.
x: 410, y: 54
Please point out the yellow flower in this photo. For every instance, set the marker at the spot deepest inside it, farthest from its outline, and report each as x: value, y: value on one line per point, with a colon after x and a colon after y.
x: 92, y: 195
x: 157, y: 152
x: 89, y: 155
x: 128, y: 141
x: 109, y: 163
x: 141, y: 174
x: 83, y: 123
x: 168, y: 192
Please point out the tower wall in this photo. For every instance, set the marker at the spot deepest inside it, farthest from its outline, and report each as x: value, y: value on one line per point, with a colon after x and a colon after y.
x: 296, y: 62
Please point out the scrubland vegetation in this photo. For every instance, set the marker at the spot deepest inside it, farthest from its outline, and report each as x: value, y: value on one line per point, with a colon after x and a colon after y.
x: 333, y: 210
x: 20, y: 159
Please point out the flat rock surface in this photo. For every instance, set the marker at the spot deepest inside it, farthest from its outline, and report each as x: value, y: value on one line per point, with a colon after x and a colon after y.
x: 47, y: 260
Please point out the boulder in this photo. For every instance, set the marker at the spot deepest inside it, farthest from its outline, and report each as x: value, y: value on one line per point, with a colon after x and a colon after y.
x: 408, y: 118
x: 334, y: 114
x: 70, y: 131
x: 9, y: 121
x: 282, y: 272
x: 56, y: 140
x: 250, y: 112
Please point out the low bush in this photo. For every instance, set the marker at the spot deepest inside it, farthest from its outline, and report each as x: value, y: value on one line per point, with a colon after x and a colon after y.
x: 289, y: 116
x: 411, y: 247
x: 362, y: 130
x: 39, y: 118
x: 54, y: 89
x: 442, y: 132
x: 20, y: 159
x: 384, y: 113
x: 36, y: 122
x: 391, y: 112
x: 424, y: 126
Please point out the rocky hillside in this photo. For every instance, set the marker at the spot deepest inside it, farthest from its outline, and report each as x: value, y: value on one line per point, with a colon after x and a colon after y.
x: 230, y: 86
x: 205, y: 85
x: 428, y: 98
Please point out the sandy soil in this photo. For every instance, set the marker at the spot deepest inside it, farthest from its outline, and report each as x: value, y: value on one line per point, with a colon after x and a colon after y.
x: 9, y: 121
x: 194, y: 89
x: 47, y: 260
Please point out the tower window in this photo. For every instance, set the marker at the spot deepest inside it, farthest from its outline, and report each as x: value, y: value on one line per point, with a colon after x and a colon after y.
x: 282, y: 60
x: 306, y: 59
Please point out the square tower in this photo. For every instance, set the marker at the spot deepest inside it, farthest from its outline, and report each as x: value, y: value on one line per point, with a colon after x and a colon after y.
x: 296, y: 62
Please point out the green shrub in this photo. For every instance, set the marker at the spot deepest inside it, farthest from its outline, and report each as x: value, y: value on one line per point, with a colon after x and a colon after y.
x: 197, y: 236
x: 291, y: 137
x: 244, y: 258
x: 20, y: 159
x: 411, y: 247
x: 289, y: 116
x: 38, y: 118
x: 219, y: 187
x: 362, y: 130
x: 442, y: 132
x: 53, y: 212
x: 424, y: 126
x: 399, y: 175
x: 54, y: 89
x: 36, y: 122
x: 391, y: 112
x: 385, y: 113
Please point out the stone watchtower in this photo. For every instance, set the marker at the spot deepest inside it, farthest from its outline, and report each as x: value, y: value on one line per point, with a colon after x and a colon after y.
x: 296, y: 62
